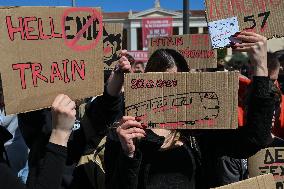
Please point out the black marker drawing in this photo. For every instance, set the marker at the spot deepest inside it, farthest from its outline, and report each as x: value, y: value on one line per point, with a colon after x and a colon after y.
x: 112, y: 45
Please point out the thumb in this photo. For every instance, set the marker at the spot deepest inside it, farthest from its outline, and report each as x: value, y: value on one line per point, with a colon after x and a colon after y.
x: 123, y: 52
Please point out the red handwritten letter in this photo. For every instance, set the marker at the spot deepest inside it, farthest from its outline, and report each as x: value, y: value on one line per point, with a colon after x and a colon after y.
x: 12, y: 30
x: 55, y: 72
x: 36, y: 73
x: 22, y: 68
x: 28, y: 29
x: 80, y: 71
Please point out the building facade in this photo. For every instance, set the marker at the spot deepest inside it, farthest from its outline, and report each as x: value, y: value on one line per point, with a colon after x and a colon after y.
x: 132, y: 24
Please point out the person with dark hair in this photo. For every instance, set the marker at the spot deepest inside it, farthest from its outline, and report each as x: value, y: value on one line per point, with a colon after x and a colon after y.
x: 138, y: 67
x: 50, y: 170
x: 136, y: 158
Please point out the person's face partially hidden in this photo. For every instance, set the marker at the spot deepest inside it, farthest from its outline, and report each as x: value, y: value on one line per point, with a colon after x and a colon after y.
x: 138, y: 68
x: 172, y: 70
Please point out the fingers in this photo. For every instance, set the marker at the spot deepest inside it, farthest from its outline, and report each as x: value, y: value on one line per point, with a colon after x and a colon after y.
x: 126, y: 118
x: 57, y: 100
x: 246, y: 38
x: 123, y: 52
x: 135, y: 130
x: 136, y: 135
x: 63, y: 103
x: 244, y: 49
x: 124, y: 64
x: 129, y: 124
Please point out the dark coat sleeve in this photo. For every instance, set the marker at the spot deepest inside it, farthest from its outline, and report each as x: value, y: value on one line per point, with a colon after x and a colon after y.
x: 255, y: 135
x: 104, y: 110
x: 121, y: 171
x: 47, y: 175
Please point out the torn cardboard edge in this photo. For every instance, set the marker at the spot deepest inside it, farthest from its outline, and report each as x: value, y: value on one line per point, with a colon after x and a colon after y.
x: 39, y: 92
x: 259, y: 182
x: 201, y: 100
x: 225, y: 18
x: 268, y: 160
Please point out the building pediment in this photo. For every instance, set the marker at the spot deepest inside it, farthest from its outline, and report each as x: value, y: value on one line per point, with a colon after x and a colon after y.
x: 155, y: 12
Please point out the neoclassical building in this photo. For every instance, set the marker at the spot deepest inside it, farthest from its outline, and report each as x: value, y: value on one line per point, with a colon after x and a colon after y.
x: 132, y: 22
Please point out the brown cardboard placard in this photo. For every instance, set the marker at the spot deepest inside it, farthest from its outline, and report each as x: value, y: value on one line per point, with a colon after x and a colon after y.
x: 269, y: 160
x: 112, y: 44
x: 46, y: 51
x: 224, y: 17
x: 183, y: 100
x: 195, y: 48
x: 260, y: 182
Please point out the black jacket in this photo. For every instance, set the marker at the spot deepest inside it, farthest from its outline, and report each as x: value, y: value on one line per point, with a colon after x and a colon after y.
x: 36, y: 129
x: 50, y: 170
x: 127, y: 173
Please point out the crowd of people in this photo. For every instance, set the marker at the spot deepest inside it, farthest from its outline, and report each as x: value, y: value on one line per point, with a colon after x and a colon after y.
x: 107, y: 150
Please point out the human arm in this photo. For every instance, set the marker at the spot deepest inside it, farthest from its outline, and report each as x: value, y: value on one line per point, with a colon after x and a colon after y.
x: 246, y: 141
x: 48, y: 171
x: 122, y: 159
x: 115, y: 82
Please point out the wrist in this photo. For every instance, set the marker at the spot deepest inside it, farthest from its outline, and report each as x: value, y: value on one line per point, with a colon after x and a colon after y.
x: 261, y: 71
x: 60, y: 137
x: 117, y: 70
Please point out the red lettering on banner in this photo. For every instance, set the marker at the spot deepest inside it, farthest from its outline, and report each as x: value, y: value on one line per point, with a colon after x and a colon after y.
x: 12, y: 30
x: 66, y: 78
x: 232, y: 7
x: 80, y: 71
x: 25, y: 29
x: 22, y: 68
x: 42, y: 36
x: 167, y: 41
x: 53, y: 33
x: 213, y: 9
x: 28, y: 29
x: 55, y: 72
x: 36, y: 73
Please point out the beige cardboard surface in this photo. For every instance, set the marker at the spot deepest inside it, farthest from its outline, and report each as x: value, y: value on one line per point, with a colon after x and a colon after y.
x: 262, y: 16
x: 260, y: 182
x: 195, y: 48
x: 46, y: 51
x: 112, y: 44
x: 183, y: 100
x: 269, y: 160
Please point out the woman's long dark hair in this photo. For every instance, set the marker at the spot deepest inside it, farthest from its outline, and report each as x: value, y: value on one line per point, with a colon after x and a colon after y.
x: 163, y: 59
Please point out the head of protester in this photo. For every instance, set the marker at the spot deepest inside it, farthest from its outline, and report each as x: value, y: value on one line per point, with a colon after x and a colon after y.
x: 166, y: 60
x: 138, y: 67
x: 151, y: 158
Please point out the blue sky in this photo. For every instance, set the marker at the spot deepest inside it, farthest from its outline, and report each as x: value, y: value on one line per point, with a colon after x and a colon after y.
x: 108, y: 5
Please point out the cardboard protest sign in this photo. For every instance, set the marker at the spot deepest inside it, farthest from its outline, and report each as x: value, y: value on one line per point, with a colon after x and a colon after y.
x: 260, y: 182
x: 183, y: 100
x: 269, y: 160
x: 226, y: 17
x: 195, y: 48
x: 156, y: 27
x: 139, y: 55
x: 46, y: 51
x: 112, y: 44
